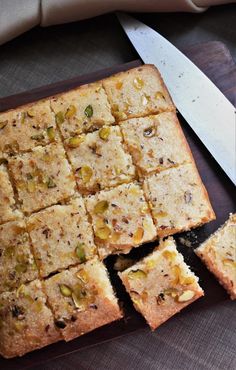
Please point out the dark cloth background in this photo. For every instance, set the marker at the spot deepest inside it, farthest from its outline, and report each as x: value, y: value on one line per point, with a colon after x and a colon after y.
x: 198, y: 339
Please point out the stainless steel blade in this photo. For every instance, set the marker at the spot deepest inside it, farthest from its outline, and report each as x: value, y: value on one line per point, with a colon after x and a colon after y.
x: 204, y: 107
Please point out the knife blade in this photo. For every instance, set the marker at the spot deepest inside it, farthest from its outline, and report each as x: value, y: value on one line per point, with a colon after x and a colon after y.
x: 200, y: 102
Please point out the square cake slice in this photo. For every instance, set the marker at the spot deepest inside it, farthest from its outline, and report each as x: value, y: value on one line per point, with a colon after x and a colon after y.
x: 121, y: 219
x: 42, y: 177
x: 61, y: 236
x: 82, y: 299
x: 156, y: 142
x: 17, y: 264
x: 137, y: 92
x: 161, y: 284
x: 26, y: 127
x: 99, y: 160
x: 8, y: 208
x: 218, y: 252
x: 178, y: 199
x: 26, y: 323
x: 82, y: 110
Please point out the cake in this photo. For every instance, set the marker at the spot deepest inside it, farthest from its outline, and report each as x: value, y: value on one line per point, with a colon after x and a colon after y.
x: 156, y: 142
x: 17, y: 264
x: 218, y: 252
x: 121, y: 219
x: 61, y: 236
x: 81, y: 110
x: 178, y: 199
x: 99, y: 160
x: 82, y: 299
x: 42, y: 177
x: 161, y: 284
x: 26, y: 322
x: 26, y: 127
x: 137, y: 92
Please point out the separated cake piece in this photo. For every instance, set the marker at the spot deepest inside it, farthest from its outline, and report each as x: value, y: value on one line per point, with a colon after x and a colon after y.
x: 17, y: 264
x: 218, y: 252
x: 82, y: 299
x: 82, y: 110
x: 156, y: 142
x: 161, y: 284
x: 26, y: 323
x: 26, y: 127
x: 99, y: 159
x: 61, y: 236
x: 42, y: 177
x: 178, y: 199
x: 8, y: 209
x: 121, y: 219
x: 137, y: 92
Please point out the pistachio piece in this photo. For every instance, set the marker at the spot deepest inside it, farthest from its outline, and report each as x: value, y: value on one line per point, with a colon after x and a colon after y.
x: 137, y: 274
x: 186, y: 296
x: 51, y: 133
x: 3, y: 124
x: 70, y: 111
x: 82, y: 275
x: 50, y: 183
x: 88, y: 111
x: 75, y: 141
x: 21, y: 268
x: 65, y: 290
x: 101, y: 207
x: 138, y: 235
x: 149, y: 132
x: 59, y: 118
x: 31, y: 186
x: 37, y: 137
x: 85, y: 173
x: 22, y: 117
x: 103, y: 232
x: 30, y: 113
x: 169, y: 255
x: 172, y: 292
x: 104, y: 133
x: 20, y: 290
x: 138, y: 83
x: 80, y: 252
x: 159, y: 95
x: 78, y: 302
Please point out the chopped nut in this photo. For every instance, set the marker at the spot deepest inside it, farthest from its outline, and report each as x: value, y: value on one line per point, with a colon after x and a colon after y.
x: 37, y: 137
x: 104, y: 133
x: 70, y: 111
x: 103, y: 232
x: 65, y: 290
x: 159, y: 95
x: 149, y: 132
x: 229, y: 262
x: 119, y: 85
x: 138, y: 235
x: 75, y: 141
x: 137, y: 274
x: 60, y: 118
x: 80, y: 252
x: 85, y: 173
x: 169, y: 255
x: 78, y: 302
x: 3, y: 124
x: 101, y: 207
x: 30, y: 113
x: 50, y: 183
x: 186, y: 296
x: 51, y: 133
x: 83, y: 276
x: 21, y: 268
x: 138, y: 83
x: 88, y: 111
x: 171, y: 292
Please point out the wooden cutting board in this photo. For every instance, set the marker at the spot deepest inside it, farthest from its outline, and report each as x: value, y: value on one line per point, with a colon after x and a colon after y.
x: 214, y: 59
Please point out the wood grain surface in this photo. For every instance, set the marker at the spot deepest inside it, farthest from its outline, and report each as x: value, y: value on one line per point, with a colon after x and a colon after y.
x: 214, y: 59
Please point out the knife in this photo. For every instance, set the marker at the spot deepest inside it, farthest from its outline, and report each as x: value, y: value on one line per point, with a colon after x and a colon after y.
x: 201, y: 103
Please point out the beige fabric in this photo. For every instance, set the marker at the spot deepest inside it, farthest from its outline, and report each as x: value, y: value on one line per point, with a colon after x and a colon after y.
x: 18, y: 16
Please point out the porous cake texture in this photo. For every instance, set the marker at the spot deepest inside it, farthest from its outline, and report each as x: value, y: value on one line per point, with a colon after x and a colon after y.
x: 82, y: 299
x: 218, y: 252
x: 178, y: 199
x: 121, y: 219
x: 81, y: 110
x: 137, y: 92
x: 61, y: 236
x: 161, y: 284
x: 99, y: 160
x: 42, y: 177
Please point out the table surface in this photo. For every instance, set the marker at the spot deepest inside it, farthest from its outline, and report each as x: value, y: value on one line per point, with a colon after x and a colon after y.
x: 44, y: 56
